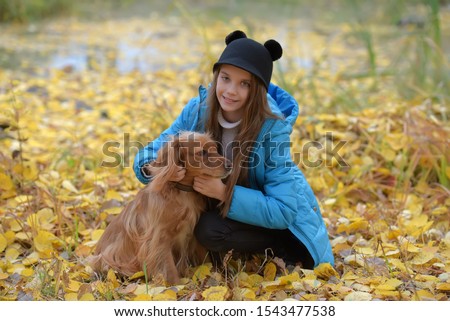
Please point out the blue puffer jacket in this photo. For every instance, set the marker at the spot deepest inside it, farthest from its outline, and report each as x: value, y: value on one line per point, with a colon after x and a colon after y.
x: 279, y: 197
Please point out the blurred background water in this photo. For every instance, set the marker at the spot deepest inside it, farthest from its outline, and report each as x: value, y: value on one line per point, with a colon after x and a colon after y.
x: 406, y: 40
x: 54, y: 41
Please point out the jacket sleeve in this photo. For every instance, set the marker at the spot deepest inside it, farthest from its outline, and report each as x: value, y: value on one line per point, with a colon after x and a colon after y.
x: 149, y: 152
x: 276, y: 205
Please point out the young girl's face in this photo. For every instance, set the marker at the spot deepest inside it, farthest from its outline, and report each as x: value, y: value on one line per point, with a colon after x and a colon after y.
x: 232, y: 90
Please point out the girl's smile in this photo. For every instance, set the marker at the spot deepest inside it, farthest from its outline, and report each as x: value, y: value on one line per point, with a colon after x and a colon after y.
x: 229, y: 101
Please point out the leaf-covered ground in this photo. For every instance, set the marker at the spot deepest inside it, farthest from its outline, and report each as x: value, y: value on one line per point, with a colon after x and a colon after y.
x: 382, y: 179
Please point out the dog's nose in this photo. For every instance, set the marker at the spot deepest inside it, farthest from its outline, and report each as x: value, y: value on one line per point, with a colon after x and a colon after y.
x: 228, y: 164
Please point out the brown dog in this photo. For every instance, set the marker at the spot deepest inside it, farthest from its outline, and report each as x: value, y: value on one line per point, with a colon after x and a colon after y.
x: 155, y: 230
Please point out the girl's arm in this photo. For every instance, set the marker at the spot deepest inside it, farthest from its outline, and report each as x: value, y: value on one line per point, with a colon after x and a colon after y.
x: 277, y: 205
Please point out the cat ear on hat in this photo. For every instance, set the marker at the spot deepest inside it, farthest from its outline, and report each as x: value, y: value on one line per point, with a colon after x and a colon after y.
x: 274, y: 48
x: 237, y: 34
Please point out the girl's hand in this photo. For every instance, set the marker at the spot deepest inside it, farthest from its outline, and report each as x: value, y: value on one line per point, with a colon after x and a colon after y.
x: 210, y: 186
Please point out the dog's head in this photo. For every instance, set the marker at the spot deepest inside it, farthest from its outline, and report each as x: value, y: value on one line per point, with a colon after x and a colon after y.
x: 196, y: 152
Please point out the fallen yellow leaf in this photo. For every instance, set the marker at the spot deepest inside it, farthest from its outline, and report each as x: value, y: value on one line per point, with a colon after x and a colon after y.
x: 113, y: 210
x: 69, y: 186
x: 136, y: 275
x: 254, y: 279
x: 270, y: 271
x: 44, y: 241
x: 27, y: 272
x: 398, y: 264
x: 414, y: 204
x: 96, y: 234
x: 87, y: 297
x: 201, y: 273
x: 10, y: 236
x: 31, y: 259
x: 43, y: 219
x: 15, y: 225
x: 71, y: 296
x: 397, y: 140
x: 11, y: 254
x: 167, y: 295
x: 423, y: 294
x: 247, y: 294
x: 113, y: 194
x: 358, y: 296
x: 83, y: 250
x: 422, y: 258
x: 289, y: 279
x: 309, y: 297
x: 215, y: 293
x: 441, y: 210
x: 325, y: 271
x: 389, y: 285
x: 6, y: 183
x: 387, y: 293
x: 443, y: 287
x: 73, y: 286
x: 3, y: 243
x: 350, y: 276
x: 407, y: 246
x: 364, y: 250
x: 143, y: 297
x: 357, y: 225
x: 30, y: 171
x: 111, y: 276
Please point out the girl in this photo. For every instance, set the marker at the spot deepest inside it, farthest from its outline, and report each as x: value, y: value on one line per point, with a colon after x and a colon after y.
x: 266, y: 202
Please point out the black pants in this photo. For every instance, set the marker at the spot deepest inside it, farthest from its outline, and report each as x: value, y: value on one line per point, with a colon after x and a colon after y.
x: 220, y: 235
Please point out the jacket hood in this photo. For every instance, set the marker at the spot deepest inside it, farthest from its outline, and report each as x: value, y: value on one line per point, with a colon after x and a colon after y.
x: 285, y: 103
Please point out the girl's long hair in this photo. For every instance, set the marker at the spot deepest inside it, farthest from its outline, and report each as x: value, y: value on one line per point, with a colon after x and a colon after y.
x: 256, y: 111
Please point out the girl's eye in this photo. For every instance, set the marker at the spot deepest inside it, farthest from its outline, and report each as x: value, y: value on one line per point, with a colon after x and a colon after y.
x: 225, y: 78
x: 245, y: 84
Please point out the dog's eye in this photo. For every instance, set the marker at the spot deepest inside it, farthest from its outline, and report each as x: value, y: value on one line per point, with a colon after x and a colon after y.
x: 202, y: 153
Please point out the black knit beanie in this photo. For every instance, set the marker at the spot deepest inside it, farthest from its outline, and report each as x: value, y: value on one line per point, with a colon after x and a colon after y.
x: 250, y: 55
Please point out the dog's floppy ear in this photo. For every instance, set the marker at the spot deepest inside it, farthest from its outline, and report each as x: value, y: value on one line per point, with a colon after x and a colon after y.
x: 166, y: 163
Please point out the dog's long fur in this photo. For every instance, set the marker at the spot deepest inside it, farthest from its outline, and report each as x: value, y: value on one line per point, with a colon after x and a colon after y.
x: 155, y: 230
